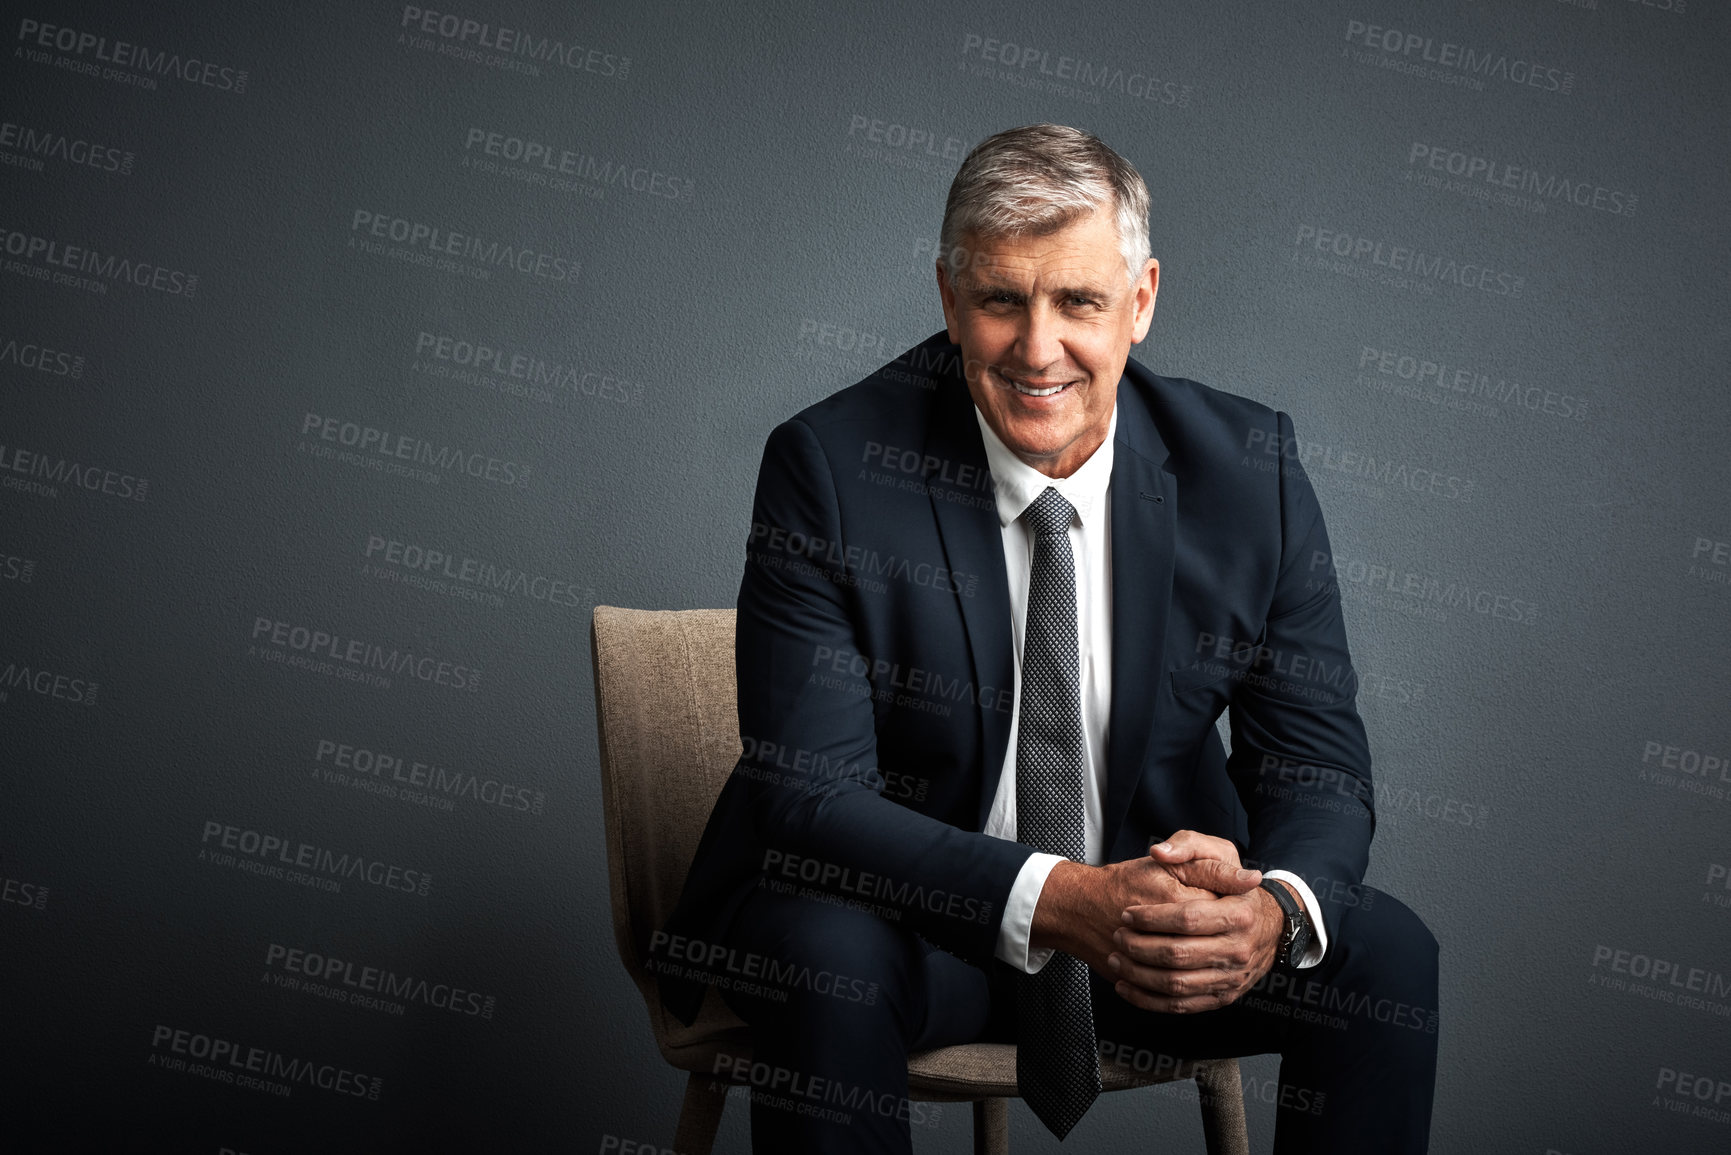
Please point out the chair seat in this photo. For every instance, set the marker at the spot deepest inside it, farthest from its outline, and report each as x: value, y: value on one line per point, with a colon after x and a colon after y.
x: 958, y: 1074
x: 964, y: 1072
x: 983, y: 1070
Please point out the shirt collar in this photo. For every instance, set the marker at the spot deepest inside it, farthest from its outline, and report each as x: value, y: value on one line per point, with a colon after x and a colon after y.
x: 1017, y: 483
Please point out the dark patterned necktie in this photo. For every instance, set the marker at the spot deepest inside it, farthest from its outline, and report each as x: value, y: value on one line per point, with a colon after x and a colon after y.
x: 1056, y: 1063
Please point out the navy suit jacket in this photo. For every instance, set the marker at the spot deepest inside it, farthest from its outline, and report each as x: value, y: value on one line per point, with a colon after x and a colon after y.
x: 874, y: 661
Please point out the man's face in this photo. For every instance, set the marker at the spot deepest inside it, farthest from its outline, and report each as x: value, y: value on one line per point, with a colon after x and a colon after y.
x: 1045, y: 324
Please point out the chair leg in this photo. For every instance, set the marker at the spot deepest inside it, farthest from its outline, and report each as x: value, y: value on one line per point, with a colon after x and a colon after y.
x: 992, y: 1127
x: 1221, y: 1091
x: 700, y: 1114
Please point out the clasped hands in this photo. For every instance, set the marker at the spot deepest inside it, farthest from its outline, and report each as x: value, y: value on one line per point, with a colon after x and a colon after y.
x: 1182, y: 930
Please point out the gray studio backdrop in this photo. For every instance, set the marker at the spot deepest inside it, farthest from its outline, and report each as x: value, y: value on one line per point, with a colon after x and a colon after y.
x: 351, y: 353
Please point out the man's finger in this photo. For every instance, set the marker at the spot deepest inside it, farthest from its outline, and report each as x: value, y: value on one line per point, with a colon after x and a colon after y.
x: 1153, y: 882
x: 1187, y: 845
x: 1167, y: 1005
x: 1181, y: 952
x: 1172, y: 983
x: 1217, y: 876
x: 1201, y: 917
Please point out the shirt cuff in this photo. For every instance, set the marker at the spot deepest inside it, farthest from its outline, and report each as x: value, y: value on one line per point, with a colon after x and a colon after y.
x: 1319, y: 944
x: 1017, y: 926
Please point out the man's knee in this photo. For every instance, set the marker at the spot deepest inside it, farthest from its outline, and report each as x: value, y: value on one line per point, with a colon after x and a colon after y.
x: 818, y: 960
x: 1392, y: 945
x: 1404, y: 933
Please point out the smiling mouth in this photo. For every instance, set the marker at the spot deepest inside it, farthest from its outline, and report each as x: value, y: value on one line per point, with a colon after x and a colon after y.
x: 1033, y: 389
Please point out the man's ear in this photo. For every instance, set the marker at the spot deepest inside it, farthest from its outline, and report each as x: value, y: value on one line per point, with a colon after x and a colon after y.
x: 1147, y: 287
x: 947, y: 297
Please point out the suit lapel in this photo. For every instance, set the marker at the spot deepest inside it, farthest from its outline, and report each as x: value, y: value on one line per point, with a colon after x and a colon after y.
x: 974, y: 544
x: 1144, y: 501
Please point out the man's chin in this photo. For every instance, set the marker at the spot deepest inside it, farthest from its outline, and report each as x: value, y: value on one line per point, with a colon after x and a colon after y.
x: 1048, y: 431
x: 1037, y: 446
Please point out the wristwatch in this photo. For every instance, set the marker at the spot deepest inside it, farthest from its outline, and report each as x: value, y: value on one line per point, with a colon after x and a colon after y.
x: 1295, y: 939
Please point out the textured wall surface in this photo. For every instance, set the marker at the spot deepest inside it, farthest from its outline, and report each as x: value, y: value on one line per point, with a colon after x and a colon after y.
x: 351, y: 353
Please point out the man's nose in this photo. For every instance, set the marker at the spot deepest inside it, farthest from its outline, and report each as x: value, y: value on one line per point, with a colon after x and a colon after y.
x: 1037, y: 344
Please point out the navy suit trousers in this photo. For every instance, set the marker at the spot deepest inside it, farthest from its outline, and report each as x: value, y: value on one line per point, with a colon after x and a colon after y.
x: 850, y: 994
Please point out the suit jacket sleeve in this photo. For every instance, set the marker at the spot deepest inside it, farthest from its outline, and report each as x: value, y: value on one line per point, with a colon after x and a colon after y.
x: 1300, y: 761
x: 805, y: 709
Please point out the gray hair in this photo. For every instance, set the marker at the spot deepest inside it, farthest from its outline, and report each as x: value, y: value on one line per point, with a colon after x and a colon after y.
x: 1038, y: 179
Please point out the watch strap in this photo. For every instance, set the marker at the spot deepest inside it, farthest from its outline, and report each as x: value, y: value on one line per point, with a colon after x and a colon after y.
x: 1295, y: 938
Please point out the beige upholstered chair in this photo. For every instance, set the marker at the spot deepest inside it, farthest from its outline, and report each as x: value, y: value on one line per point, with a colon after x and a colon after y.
x: 666, y: 716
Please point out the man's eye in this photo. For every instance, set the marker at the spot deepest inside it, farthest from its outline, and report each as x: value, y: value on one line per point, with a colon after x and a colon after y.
x: 1081, y: 300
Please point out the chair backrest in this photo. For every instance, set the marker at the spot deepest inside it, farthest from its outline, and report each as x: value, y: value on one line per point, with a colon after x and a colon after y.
x: 667, y: 719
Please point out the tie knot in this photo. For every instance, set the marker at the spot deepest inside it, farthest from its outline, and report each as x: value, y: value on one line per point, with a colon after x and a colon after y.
x: 1049, y: 513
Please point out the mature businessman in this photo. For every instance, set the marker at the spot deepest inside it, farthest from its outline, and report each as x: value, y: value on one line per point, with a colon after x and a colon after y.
x: 996, y: 597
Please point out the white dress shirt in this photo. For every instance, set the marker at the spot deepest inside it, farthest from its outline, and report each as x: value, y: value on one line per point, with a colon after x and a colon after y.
x: 1017, y: 484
